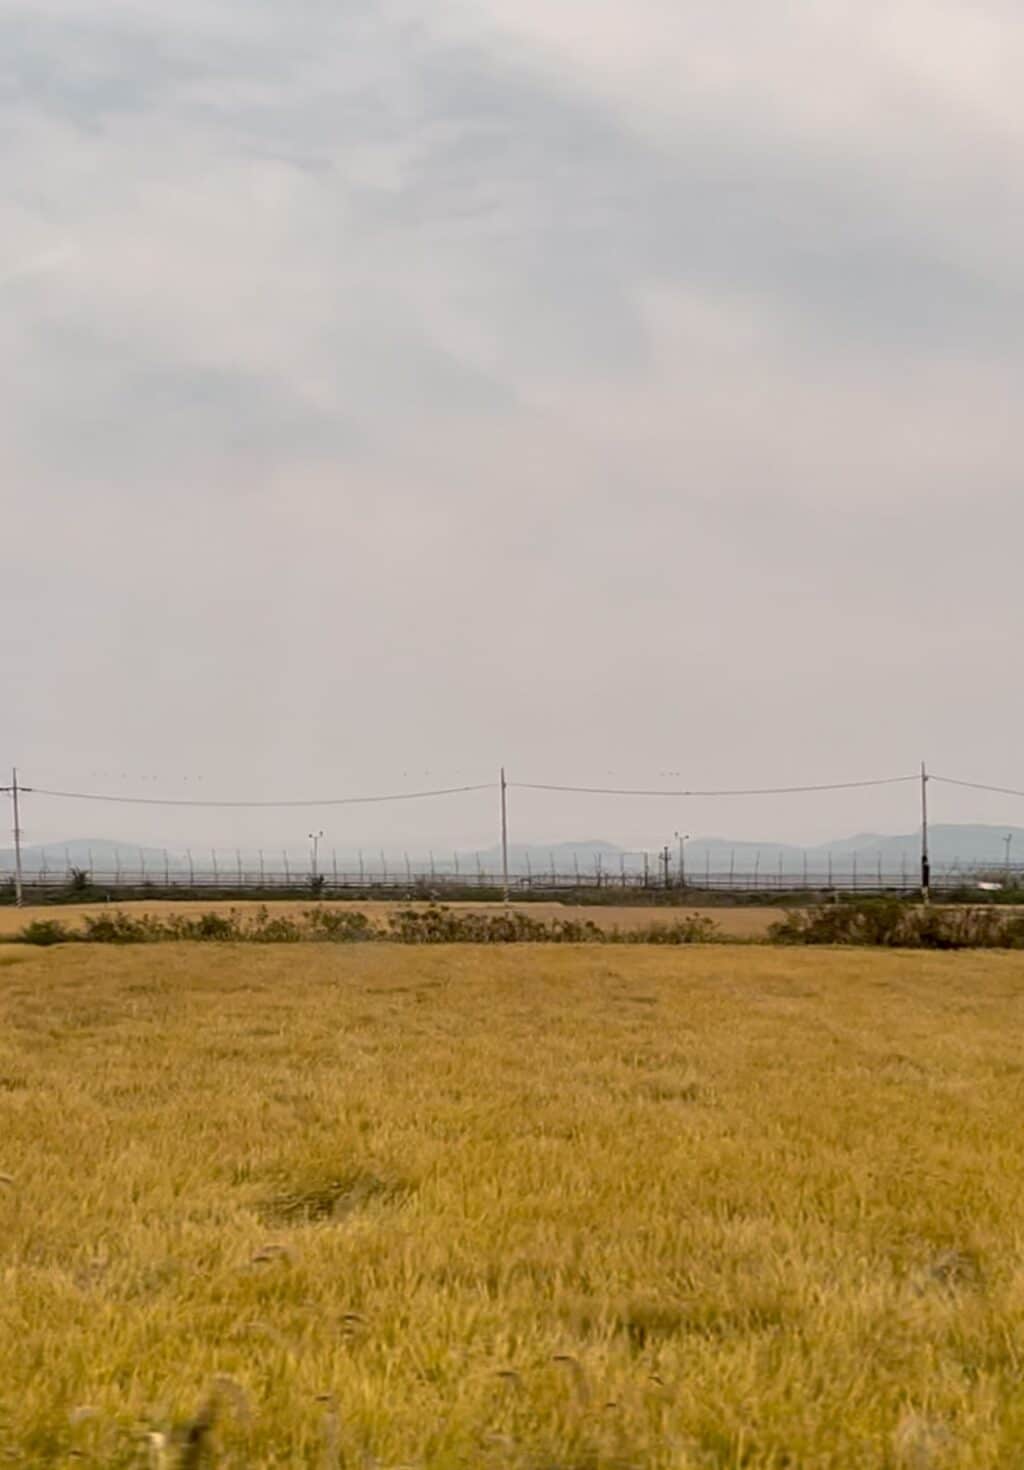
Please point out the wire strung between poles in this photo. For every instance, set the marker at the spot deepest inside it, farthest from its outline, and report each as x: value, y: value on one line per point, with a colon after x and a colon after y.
x: 977, y: 786
x: 326, y: 801
x: 752, y: 791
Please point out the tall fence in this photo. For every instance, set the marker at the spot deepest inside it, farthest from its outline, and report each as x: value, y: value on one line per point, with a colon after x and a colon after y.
x: 241, y: 878
x: 873, y: 872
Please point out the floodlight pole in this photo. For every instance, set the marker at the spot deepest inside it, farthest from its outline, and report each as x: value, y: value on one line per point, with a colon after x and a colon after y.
x: 504, y: 833
x: 683, y: 838
x: 926, y: 871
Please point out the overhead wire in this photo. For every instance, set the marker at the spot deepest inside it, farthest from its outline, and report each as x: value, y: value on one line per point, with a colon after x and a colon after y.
x: 749, y: 791
x: 976, y: 786
x: 320, y: 802
x: 398, y: 796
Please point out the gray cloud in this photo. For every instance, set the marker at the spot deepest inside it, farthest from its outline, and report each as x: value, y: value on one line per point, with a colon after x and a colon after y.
x: 496, y: 386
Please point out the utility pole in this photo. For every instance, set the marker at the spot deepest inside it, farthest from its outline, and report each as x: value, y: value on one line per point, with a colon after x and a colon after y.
x: 314, y: 838
x: 504, y: 833
x: 666, y: 860
x: 14, y: 790
x: 926, y: 869
x: 1008, y: 839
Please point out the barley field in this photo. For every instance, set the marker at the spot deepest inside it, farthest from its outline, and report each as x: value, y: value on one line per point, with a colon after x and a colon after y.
x: 551, y: 1208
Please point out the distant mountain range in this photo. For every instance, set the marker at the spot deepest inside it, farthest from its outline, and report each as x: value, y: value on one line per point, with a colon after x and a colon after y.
x: 950, y: 845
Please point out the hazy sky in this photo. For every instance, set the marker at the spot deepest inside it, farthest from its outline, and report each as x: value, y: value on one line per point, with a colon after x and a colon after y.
x: 611, y: 389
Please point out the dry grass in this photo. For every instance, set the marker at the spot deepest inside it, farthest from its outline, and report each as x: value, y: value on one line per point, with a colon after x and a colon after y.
x: 736, y: 923
x: 555, y: 1209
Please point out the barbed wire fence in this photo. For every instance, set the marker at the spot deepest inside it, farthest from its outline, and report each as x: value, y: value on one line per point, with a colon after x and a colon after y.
x: 663, y: 868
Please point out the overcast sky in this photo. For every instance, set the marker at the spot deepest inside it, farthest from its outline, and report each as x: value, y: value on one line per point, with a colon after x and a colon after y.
x: 612, y: 388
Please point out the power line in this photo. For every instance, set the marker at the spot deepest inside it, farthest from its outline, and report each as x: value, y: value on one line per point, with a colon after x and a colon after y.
x: 325, y: 801
x: 977, y: 786
x: 753, y: 791
x: 397, y: 796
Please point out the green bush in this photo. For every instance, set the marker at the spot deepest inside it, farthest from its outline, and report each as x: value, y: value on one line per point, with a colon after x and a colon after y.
x: 439, y: 925
x: 45, y: 931
x: 120, y: 928
x: 892, y: 924
x: 342, y: 926
x: 78, y: 881
x: 696, y: 929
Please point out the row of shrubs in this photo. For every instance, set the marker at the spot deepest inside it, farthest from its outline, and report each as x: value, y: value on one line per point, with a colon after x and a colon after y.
x: 887, y: 923
x: 895, y: 925
x: 432, y: 925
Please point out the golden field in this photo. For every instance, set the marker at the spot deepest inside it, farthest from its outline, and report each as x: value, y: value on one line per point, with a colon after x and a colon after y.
x: 554, y: 1208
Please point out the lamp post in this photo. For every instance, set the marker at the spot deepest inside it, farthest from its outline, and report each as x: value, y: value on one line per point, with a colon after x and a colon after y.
x: 314, y: 838
x: 1008, y: 840
x: 683, y: 837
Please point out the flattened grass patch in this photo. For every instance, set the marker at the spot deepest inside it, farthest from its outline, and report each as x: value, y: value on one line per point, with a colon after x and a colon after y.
x: 329, y: 1199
